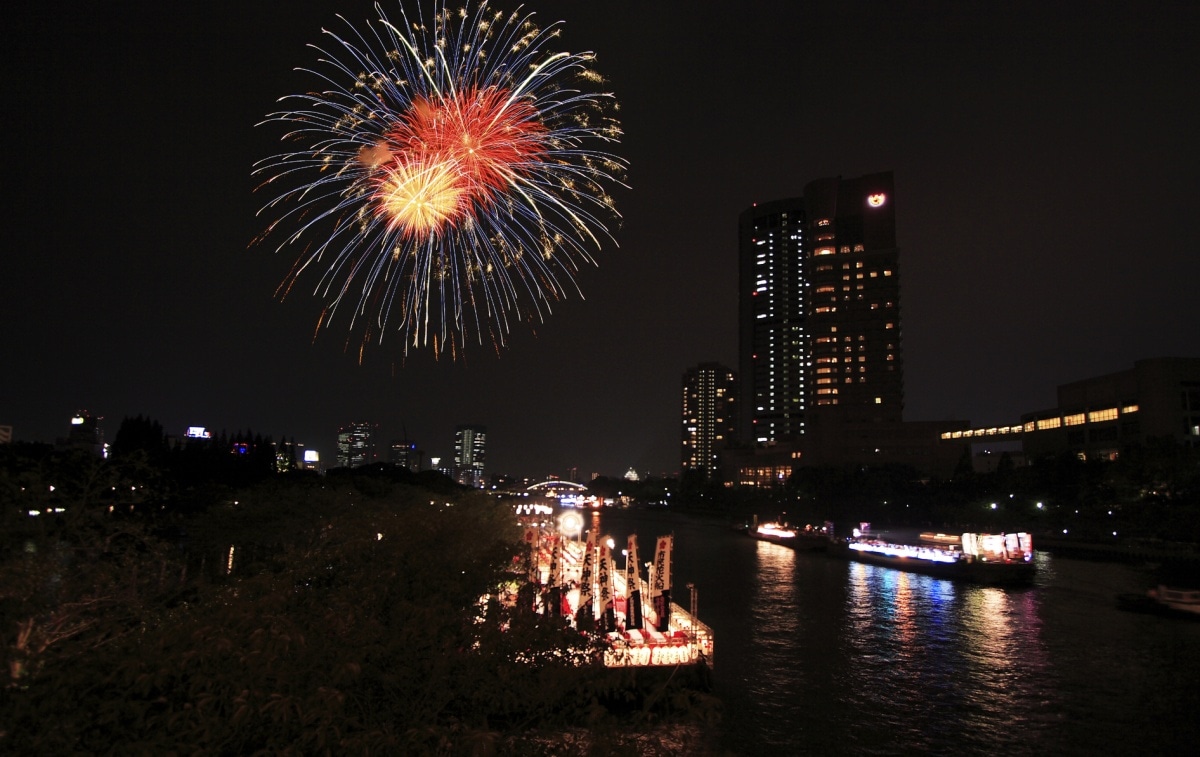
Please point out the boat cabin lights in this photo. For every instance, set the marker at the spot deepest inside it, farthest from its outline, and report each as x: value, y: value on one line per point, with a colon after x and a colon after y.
x: 904, y: 550
x: 1014, y: 546
x: 774, y: 529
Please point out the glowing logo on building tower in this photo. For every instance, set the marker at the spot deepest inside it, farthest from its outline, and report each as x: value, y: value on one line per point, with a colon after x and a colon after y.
x: 877, y: 199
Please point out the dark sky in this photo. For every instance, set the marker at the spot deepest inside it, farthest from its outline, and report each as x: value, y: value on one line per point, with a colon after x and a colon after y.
x: 1047, y: 175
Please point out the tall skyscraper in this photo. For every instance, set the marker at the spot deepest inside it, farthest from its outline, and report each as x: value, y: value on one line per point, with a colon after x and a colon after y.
x: 772, y: 321
x: 356, y: 445
x: 819, y: 309
x: 406, y: 454
x: 854, y: 307
x: 709, y: 415
x: 470, y: 453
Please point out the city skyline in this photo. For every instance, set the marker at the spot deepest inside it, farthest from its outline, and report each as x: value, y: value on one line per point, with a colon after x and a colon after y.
x: 1043, y: 159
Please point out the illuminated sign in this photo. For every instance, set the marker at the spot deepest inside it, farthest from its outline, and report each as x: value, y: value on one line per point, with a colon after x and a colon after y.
x: 876, y: 199
x: 311, y: 456
x: 197, y: 432
x: 77, y: 421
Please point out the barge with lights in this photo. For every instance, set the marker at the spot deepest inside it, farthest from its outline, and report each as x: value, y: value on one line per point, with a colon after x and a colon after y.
x: 1000, y: 559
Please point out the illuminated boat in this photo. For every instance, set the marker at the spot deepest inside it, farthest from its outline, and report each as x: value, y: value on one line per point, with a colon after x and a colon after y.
x: 807, y: 538
x: 1005, y: 558
x: 574, y: 575
x: 1164, y: 600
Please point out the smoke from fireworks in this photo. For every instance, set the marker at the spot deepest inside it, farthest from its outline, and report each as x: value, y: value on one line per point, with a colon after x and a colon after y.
x: 450, y: 177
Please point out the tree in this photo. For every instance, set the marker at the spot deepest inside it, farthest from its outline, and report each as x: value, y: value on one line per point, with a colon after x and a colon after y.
x: 305, y: 615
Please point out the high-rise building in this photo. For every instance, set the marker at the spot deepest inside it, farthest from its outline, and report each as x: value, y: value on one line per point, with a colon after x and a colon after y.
x: 854, y: 303
x: 772, y: 318
x: 819, y: 309
x: 709, y: 415
x: 356, y: 445
x: 470, y: 453
x: 406, y: 454
x: 85, y: 434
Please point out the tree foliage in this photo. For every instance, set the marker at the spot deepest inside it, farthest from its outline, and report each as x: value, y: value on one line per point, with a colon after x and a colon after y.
x: 301, y: 616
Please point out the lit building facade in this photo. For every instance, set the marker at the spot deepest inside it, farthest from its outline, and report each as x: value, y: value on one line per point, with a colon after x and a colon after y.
x: 709, y: 417
x: 772, y: 321
x: 854, y: 303
x: 85, y: 434
x: 819, y: 309
x: 470, y: 454
x: 820, y: 362
x: 356, y: 445
x: 1097, y: 417
x: 405, y: 454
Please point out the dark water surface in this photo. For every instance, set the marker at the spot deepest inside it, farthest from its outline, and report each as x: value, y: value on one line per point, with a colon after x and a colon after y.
x: 818, y: 655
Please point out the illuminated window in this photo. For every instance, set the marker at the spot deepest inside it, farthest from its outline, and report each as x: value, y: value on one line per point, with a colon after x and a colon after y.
x: 823, y: 251
x: 1075, y: 419
x: 858, y: 248
x: 822, y: 221
x: 1028, y: 426
x: 1047, y: 423
x: 1097, y: 416
x: 845, y: 248
x: 1129, y: 409
x: 878, y: 401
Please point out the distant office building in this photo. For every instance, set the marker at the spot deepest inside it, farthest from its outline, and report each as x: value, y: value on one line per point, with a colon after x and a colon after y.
x: 819, y: 309
x: 1097, y: 417
x: 85, y: 434
x: 442, y: 465
x: 5, y: 434
x: 308, y: 459
x: 405, y: 454
x: 470, y: 454
x: 356, y: 445
x: 709, y: 415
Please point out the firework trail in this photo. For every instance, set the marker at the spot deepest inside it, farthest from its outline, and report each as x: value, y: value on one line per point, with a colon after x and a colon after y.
x: 450, y: 176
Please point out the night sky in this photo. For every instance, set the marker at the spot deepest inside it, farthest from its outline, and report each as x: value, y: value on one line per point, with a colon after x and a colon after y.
x: 1046, y: 166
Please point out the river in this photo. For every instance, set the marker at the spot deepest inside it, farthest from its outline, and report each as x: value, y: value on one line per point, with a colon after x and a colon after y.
x: 820, y: 655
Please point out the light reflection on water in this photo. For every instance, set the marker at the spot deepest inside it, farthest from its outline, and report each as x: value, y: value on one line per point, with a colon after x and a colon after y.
x: 817, y: 655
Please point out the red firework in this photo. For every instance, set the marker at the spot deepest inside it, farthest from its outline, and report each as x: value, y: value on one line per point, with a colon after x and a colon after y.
x: 447, y: 157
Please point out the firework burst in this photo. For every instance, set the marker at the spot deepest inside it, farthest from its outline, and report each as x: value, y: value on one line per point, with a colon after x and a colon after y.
x: 450, y: 177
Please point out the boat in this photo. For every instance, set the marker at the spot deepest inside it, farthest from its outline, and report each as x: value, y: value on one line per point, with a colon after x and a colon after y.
x: 1163, y: 600
x: 809, y: 538
x: 1004, y: 558
x: 574, y: 574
